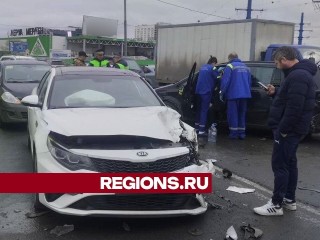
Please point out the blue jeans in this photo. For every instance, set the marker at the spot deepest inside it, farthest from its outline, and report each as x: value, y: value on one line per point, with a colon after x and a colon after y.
x: 284, y: 166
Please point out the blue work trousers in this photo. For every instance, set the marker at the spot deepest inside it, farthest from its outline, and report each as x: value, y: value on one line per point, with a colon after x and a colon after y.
x: 202, y: 107
x: 236, y: 112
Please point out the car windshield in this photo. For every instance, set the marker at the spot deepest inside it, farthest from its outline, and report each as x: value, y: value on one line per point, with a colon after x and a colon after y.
x: 25, y: 73
x: 82, y: 91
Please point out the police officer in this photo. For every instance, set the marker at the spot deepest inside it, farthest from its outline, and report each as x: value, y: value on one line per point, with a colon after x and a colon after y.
x: 119, y: 62
x: 99, y: 60
x: 235, y: 88
x: 204, y: 90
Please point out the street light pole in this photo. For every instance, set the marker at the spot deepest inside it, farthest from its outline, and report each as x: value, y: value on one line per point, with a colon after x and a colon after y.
x: 125, y: 29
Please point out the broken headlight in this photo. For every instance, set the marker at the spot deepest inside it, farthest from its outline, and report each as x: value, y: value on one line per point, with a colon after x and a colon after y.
x: 68, y: 159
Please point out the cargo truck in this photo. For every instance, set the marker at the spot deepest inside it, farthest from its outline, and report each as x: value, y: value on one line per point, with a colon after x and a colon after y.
x: 179, y: 46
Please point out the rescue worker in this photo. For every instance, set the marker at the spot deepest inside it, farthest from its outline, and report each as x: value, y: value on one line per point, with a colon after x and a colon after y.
x: 80, y: 60
x: 119, y: 62
x: 99, y: 60
x: 206, y: 83
x: 235, y: 88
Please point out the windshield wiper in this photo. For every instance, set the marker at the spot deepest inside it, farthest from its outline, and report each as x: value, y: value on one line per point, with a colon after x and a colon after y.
x: 12, y: 80
x: 15, y: 81
x: 32, y: 81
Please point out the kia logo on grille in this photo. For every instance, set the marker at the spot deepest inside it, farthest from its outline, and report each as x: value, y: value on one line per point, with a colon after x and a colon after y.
x: 142, y: 154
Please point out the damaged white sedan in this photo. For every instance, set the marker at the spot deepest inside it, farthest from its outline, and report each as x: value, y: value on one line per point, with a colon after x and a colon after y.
x: 85, y: 120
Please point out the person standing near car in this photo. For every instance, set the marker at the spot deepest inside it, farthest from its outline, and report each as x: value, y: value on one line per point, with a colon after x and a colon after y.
x: 289, y: 118
x: 119, y: 62
x: 99, y: 60
x: 80, y: 60
x: 235, y: 88
x: 204, y: 90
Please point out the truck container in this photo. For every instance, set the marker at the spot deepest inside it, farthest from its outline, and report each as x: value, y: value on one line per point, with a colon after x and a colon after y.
x: 179, y: 46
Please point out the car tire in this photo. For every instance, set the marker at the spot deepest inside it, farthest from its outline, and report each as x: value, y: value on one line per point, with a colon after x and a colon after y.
x: 173, y: 104
x: 37, y: 205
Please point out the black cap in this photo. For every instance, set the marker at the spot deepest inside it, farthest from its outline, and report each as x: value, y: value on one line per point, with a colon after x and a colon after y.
x: 82, y: 54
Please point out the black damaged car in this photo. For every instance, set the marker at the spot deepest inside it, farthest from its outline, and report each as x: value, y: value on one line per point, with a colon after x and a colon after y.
x: 179, y: 96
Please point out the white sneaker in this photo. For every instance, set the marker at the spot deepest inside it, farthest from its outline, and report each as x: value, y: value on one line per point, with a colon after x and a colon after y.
x: 269, y: 210
x: 289, y: 204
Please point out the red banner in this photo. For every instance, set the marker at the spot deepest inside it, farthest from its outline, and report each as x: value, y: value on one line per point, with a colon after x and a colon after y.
x: 105, y: 183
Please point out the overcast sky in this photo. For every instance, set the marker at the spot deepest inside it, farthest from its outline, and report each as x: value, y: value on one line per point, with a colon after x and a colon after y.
x: 62, y: 13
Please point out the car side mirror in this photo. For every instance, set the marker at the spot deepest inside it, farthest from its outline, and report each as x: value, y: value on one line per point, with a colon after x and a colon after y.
x: 31, y: 101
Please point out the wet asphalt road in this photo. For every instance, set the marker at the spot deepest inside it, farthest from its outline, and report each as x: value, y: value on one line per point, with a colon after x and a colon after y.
x: 249, y: 160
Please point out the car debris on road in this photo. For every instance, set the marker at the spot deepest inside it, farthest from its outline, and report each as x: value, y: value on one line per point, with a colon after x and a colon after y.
x: 62, y: 230
x: 251, y: 232
x: 226, y: 173
x: 195, y: 232
x: 231, y: 234
x: 240, y: 190
x: 36, y: 214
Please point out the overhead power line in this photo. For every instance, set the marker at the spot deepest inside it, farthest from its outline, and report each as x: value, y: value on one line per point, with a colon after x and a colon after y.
x: 192, y: 10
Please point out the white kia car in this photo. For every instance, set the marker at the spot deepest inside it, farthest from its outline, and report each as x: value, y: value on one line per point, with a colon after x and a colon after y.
x: 86, y: 120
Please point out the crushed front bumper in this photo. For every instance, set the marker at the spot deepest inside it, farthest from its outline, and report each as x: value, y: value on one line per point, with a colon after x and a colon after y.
x: 147, y: 205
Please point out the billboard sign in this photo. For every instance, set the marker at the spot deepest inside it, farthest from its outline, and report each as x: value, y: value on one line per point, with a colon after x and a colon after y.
x: 60, y: 54
x: 18, y: 47
x: 102, y: 27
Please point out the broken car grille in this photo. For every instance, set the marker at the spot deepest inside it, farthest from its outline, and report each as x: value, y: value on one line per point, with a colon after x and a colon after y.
x: 24, y: 115
x: 162, y: 165
x: 138, y: 202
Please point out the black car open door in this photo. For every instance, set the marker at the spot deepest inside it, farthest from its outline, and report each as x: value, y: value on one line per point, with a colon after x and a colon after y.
x: 190, y: 88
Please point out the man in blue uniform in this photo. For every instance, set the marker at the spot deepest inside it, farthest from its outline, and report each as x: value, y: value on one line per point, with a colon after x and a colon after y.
x: 204, y: 90
x: 235, y: 88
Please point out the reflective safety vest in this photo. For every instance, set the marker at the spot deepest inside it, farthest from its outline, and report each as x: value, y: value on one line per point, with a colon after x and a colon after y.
x: 97, y: 63
x: 121, y: 66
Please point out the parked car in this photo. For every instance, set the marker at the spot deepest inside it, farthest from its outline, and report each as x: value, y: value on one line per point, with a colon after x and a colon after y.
x: 17, y: 79
x: 149, y: 71
x: 56, y: 62
x: 13, y: 57
x: 179, y: 97
x: 135, y: 67
x: 109, y: 116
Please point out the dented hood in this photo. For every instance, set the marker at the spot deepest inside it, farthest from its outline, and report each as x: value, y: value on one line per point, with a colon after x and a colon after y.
x: 154, y: 122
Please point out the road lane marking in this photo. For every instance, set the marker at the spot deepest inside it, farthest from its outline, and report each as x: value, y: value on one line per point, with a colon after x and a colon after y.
x: 265, y: 190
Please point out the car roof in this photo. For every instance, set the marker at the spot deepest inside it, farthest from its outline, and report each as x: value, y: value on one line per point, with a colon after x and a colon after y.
x: 94, y: 71
x: 23, y: 62
x: 264, y: 63
x: 17, y: 57
x: 293, y: 45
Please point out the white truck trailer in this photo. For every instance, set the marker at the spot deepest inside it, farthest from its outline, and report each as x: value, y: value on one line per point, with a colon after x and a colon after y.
x: 179, y: 46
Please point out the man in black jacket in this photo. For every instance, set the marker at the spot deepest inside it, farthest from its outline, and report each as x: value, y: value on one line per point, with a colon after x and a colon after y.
x: 289, y: 118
